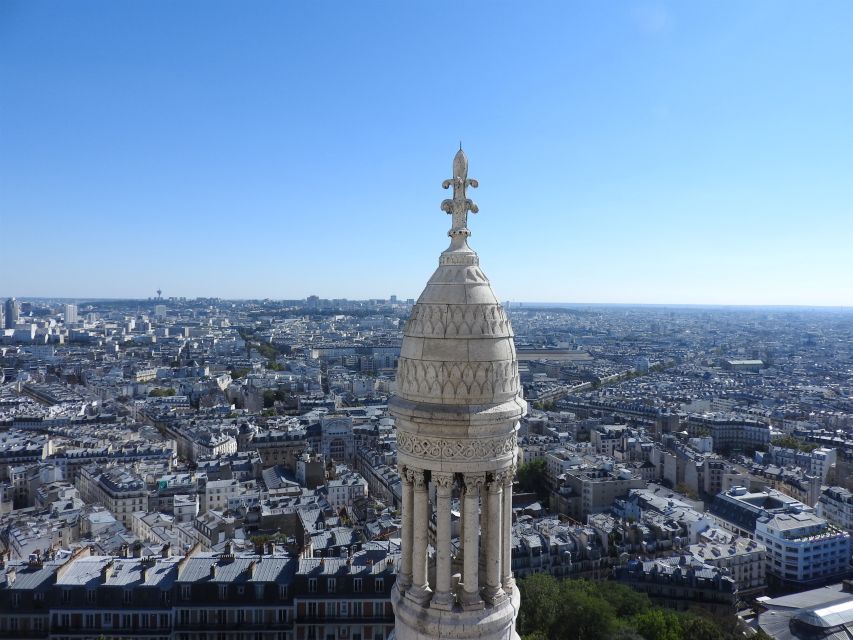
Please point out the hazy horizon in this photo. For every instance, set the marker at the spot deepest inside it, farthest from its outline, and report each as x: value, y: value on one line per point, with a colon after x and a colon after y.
x: 528, y: 303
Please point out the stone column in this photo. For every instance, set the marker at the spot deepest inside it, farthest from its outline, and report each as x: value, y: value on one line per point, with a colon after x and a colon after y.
x: 506, y: 554
x: 404, y: 578
x: 420, y: 591
x: 471, y: 515
x: 442, y: 598
x: 494, y: 591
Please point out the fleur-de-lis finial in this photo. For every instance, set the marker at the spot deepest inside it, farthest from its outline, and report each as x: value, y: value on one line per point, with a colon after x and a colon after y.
x: 459, y: 205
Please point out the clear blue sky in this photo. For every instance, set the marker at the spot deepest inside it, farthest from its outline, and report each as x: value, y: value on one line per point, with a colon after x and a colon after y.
x: 684, y: 152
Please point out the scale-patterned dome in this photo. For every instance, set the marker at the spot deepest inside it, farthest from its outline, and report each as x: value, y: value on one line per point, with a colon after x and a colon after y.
x: 457, y: 346
x: 457, y: 362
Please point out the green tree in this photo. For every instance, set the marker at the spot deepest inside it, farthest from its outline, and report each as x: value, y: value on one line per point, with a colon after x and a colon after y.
x: 699, y: 628
x: 684, y: 489
x: 533, y: 477
x: 584, y: 615
x: 625, y: 601
x: 658, y: 624
x: 540, y: 597
x: 792, y: 442
x: 157, y: 392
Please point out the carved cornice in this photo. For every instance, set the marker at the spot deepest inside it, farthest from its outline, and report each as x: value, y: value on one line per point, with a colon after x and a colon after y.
x: 451, y: 449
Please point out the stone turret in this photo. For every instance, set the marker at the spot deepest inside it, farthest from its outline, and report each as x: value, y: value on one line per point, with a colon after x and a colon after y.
x: 457, y: 407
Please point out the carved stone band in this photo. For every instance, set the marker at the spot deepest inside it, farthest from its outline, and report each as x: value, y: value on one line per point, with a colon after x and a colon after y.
x: 458, y: 321
x: 476, y: 382
x: 446, y: 449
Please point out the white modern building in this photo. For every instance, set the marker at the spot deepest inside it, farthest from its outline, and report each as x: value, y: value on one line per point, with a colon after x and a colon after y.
x: 70, y: 313
x: 803, y: 548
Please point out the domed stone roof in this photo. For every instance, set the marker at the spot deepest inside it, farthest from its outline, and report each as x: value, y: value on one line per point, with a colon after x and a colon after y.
x: 457, y: 361
x: 457, y: 346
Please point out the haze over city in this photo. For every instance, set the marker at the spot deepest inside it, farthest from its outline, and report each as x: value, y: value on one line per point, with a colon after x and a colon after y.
x: 631, y: 152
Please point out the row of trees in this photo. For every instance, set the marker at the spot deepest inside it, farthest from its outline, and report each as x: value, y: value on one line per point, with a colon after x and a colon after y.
x: 792, y: 442
x: 553, y: 609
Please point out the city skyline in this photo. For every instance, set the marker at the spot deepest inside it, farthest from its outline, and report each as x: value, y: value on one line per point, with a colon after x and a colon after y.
x: 639, y: 153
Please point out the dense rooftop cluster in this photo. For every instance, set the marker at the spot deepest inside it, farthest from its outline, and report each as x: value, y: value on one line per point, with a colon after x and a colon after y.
x: 702, y: 456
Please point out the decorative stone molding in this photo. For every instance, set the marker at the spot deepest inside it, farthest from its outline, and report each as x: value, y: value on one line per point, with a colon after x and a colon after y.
x: 459, y: 205
x: 459, y: 274
x: 443, y: 482
x: 472, y: 382
x: 446, y: 449
x: 458, y: 321
x: 499, y: 479
x: 457, y: 259
x: 417, y: 478
x: 509, y: 475
x: 474, y: 481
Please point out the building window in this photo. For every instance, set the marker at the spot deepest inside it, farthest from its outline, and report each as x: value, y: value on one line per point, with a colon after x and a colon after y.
x: 66, y: 596
x: 330, y: 585
x: 379, y: 585
x: 282, y: 592
x: 186, y: 591
x: 312, y: 610
x: 127, y: 596
x: 312, y: 585
x: 357, y: 585
x: 223, y: 592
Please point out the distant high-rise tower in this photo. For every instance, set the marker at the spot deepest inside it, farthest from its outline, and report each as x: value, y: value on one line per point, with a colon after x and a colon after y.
x: 457, y: 406
x: 70, y: 313
x: 12, y: 313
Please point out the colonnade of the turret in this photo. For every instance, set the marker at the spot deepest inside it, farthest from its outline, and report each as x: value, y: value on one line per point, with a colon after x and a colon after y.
x: 486, y: 504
